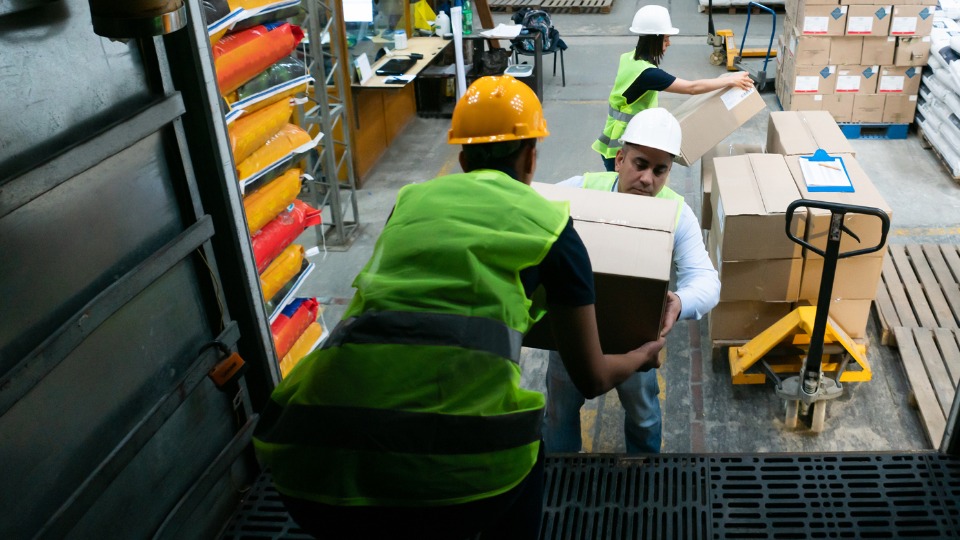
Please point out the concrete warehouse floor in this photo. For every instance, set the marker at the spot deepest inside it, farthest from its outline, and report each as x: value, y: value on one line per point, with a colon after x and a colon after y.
x: 703, y: 412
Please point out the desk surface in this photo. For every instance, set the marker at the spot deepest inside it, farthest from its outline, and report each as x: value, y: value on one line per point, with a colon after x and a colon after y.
x: 429, y: 47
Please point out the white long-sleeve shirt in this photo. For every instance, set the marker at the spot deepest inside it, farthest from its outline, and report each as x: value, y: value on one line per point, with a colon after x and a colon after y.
x: 698, y: 285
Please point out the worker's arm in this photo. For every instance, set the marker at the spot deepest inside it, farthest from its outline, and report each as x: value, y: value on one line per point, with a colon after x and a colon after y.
x: 594, y: 373
x: 698, y: 286
x: 701, y: 86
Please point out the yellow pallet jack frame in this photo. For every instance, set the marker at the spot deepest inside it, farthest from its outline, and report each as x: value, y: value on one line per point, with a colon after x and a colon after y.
x: 725, y: 51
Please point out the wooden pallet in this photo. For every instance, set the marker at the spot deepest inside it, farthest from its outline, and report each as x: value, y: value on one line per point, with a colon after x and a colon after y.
x: 733, y: 10
x: 577, y: 6
x: 931, y: 360
x: 509, y: 6
x: 919, y: 287
x: 925, y: 143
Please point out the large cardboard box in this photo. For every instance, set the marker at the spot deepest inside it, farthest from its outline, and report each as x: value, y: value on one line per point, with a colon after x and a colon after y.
x: 857, y: 79
x: 820, y: 20
x: 912, y: 51
x: 856, y: 278
x: 765, y: 280
x: 844, y: 50
x: 864, y: 194
x: 911, y: 20
x: 801, y: 102
x: 899, y: 109
x: 868, y: 108
x: 750, y: 199
x: 802, y: 133
x: 840, y: 106
x: 630, y: 242
x: 899, y: 80
x: 851, y: 315
x: 707, y: 119
x: 707, y: 173
x: 810, y: 50
x: 819, y: 79
x: 868, y: 20
x: 742, y: 321
x: 878, y: 51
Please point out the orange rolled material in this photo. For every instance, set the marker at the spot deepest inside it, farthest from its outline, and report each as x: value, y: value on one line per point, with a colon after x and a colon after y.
x: 301, y: 348
x: 230, y: 42
x: 284, y: 268
x: 277, y: 147
x: 292, y: 323
x: 244, y: 62
x: 282, y: 230
x: 251, y: 131
x: 267, y: 202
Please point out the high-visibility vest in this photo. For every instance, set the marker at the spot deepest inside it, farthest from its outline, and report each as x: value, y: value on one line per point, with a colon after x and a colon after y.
x: 605, y: 181
x: 620, y: 112
x: 415, y: 398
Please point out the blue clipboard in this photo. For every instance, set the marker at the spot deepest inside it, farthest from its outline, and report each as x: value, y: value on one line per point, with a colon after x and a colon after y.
x: 831, y: 176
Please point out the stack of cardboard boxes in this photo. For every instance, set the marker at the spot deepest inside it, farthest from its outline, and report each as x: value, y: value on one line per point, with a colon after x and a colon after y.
x: 860, y: 60
x: 763, y: 274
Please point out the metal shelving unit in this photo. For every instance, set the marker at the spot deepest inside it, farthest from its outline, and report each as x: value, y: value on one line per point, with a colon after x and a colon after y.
x: 334, y: 185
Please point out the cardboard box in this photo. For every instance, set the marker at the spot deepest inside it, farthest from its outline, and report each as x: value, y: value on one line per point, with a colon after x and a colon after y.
x: 868, y: 20
x: 856, y: 278
x: 899, y: 109
x: 707, y: 173
x: 878, y: 51
x: 768, y: 280
x: 912, y: 51
x: 750, y: 199
x: 899, y: 80
x: 911, y: 20
x: 844, y: 50
x: 743, y: 321
x: 817, y: 79
x: 630, y: 242
x: 857, y: 79
x: 840, y: 106
x: 865, y: 194
x: 820, y: 20
x: 802, y: 133
x: 851, y: 315
x: 802, y: 102
x: 868, y: 108
x: 707, y: 119
x: 809, y: 50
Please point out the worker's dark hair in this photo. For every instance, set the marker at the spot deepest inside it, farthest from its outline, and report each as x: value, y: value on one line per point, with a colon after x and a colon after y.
x: 495, y: 155
x: 649, y: 48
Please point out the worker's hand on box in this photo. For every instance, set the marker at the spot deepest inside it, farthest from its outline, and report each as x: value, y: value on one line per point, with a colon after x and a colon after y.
x: 671, y: 313
x: 648, y: 355
x: 741, y: 80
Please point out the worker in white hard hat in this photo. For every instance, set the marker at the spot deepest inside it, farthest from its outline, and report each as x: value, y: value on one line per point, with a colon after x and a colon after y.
x: 639, y: 79
x: 643, y: 162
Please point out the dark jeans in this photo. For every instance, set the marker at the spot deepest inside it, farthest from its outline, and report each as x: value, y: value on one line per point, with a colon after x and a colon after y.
x: 609, y: 163
x: 514, y: 515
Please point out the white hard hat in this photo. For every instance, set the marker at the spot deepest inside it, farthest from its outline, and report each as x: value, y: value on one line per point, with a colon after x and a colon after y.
x: 654, y: 128
x: 653, y: 21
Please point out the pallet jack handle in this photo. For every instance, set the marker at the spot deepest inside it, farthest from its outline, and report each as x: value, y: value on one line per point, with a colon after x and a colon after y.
x: 810, y: 372
x: 773, y: 30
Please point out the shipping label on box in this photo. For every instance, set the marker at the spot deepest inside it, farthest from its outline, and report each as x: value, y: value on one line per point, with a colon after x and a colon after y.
x: 811, y: 79
x: 803, y: 133
x: 878, y: 51
x: 912, y: 51
x: 868, y: 108
x: 899, y: 80
x: 707, y: 119
x: 856, y: 278
x: 708, y: 171
x: 818, y: 20
x: 868, y: 20
x: 629, y: 239
x: 844, y: 50
x: 857, y: 79
x: 867, y: 228
x: 911, y: 20
x: 900, y: 109
x: 750, y: 197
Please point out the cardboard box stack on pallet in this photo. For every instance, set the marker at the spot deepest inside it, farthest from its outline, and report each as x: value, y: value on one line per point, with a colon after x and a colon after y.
x: 860, y: 60
x: 763, y: 274
x: 939, y: 102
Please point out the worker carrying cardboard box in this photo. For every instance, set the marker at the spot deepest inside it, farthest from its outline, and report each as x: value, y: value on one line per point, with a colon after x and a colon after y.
x: 410, y: 421
x: 650, y: 142
x: 639, y: 81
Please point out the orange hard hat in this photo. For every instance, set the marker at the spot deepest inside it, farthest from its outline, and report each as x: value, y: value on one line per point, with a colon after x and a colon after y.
x: 495, y: 109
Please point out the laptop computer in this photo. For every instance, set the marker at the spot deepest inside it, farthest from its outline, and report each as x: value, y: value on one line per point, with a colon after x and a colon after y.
x: 396, y: 66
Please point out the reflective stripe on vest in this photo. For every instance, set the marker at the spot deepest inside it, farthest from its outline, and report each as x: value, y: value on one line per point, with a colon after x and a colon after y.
x: 618, y: 115
x: 619, y: 111
x: 439, y: 329
x: 607, y: 181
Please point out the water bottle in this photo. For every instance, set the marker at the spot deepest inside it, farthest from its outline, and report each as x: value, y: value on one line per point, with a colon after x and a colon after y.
x: 467, y: 18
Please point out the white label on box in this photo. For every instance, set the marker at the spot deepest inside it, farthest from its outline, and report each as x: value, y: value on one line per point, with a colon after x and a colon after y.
x: 891, y: 83
x: 848, y: 83
x: 815, y: 25
x: 903, y: 26
x: 807, y: 84
x: 731, y: 98
x: 859, y: 25
x: 913, y: 98
x: 720, y: 216
x: 818, y: 97
x: 926, y: 39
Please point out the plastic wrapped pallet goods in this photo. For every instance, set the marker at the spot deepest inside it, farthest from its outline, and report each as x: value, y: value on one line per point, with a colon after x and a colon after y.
x: 949, y: 9
x: 284, y: 268
x: 266, y: 203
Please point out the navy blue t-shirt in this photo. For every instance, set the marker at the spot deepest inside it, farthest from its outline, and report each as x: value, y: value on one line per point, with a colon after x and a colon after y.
x: 565, y: 272
x: 651, y: 79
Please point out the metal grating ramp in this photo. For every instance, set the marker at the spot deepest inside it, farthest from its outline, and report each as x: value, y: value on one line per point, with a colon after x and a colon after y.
x: 715, y: 497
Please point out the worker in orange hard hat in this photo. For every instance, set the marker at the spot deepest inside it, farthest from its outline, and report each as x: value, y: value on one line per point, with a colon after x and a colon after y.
x: 410, y: 421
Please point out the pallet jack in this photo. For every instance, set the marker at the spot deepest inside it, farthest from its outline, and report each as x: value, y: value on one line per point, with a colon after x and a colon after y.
x: 810, y: 331
x: 726, y: 52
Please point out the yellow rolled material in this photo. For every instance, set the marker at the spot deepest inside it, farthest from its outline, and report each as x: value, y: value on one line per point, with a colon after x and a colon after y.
x: 267, y: 202
x: 300, y: 348
x: 277, y: 147
x: 281, y: 270
x: 252, y: 130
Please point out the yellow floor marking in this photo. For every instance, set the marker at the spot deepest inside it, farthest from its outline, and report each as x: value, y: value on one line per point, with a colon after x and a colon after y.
x: 588, y: 418
x: 931, y: 231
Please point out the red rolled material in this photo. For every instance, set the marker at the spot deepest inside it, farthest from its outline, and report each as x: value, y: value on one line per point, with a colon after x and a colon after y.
x: 243, y: 63
x: 230, y: 42
x: 281, y: 231
x: 288, y: 327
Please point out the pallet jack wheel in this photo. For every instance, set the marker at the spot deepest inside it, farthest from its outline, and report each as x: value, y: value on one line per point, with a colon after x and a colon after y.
x: 793, y: 410
x: 818, y: 416
x: 718, y: 58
